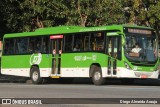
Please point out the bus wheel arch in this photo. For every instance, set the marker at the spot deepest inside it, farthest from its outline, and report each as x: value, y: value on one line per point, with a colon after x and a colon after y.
x: 96, y: 74
x: 35, y: 75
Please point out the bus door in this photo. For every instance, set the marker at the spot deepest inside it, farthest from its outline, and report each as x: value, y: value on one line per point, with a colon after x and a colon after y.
x: 114, y: 53
x: 56, y: 49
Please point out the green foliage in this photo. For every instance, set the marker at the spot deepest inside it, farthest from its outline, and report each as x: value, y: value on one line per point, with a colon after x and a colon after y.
x: 28, y: 15
x: 94, y: 13
x: 143, y: 12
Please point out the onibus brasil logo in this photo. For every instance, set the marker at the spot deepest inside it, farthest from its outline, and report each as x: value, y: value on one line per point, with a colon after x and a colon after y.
x: 35, y: 58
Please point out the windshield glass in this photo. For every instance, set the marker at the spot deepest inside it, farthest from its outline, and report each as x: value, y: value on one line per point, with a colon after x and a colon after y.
x: 141, y: 47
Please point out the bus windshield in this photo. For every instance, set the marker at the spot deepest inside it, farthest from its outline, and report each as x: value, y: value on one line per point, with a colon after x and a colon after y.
x: 141, y: 47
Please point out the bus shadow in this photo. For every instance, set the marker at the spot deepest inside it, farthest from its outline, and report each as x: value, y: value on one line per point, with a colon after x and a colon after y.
x: 148, y: 82
x: 86, y: 81
x: 137, y: 82
x: 82, y: 81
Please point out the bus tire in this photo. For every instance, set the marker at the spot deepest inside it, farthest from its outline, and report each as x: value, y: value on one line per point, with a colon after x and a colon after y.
x: 35, y: 76
x: 97, y: 78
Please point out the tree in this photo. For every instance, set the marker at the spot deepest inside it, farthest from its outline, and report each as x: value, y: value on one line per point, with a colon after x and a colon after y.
x: 4, y: 7
x: 153, y: 15
x: 93, y: 13
x: 41, y: 13
x: 27, y: 15
x: 143, y: 12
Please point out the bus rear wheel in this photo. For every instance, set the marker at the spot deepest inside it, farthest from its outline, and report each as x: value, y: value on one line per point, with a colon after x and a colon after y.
x: 97, y: 78
x: 35, y: 76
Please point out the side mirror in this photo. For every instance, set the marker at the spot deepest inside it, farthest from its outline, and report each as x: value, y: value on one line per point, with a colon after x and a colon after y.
x: 123, y: 41
x: 123, y: 38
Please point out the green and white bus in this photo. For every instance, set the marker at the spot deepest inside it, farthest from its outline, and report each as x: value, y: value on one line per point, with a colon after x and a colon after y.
x: 89, y: 52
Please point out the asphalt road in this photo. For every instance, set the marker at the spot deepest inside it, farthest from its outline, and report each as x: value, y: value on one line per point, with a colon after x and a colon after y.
x: 81, y: 88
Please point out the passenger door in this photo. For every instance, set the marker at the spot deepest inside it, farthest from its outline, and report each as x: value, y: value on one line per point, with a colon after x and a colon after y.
x: 56, y: 49
x: 114, y: 53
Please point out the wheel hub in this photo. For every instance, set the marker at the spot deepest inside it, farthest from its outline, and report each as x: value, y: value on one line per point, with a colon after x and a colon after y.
x: 35, y: 76
x: 97, y: 75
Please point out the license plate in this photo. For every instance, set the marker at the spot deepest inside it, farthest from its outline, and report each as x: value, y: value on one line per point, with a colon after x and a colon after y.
x: 143, y: 76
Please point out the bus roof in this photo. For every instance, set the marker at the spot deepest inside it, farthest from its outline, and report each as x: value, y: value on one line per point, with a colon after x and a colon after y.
x: 70, y: 29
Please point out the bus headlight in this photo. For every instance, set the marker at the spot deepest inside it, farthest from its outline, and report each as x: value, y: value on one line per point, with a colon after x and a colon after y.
x: 126, y: 65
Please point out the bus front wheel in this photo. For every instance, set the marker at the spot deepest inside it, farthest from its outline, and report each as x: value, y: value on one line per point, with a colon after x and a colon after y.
x: 97, y: 76
x: 35, y: 76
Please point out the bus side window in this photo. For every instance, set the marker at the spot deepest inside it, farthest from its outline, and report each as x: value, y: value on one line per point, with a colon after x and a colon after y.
x: 100, y: 41
x: 34, y: 45
x: 92, y: 43
x: 86, y: 42
x: 31, y: 45
x: 38, y: 45
x: 78, y: 43
x: 5, y: 47
x: 21, y: 46
x: 45, y: 44
x: 9, y: 46
x: 68, y: 43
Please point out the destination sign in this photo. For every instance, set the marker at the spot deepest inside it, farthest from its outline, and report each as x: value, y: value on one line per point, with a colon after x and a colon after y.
x: 56, y: 36
x: 140, y: 31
